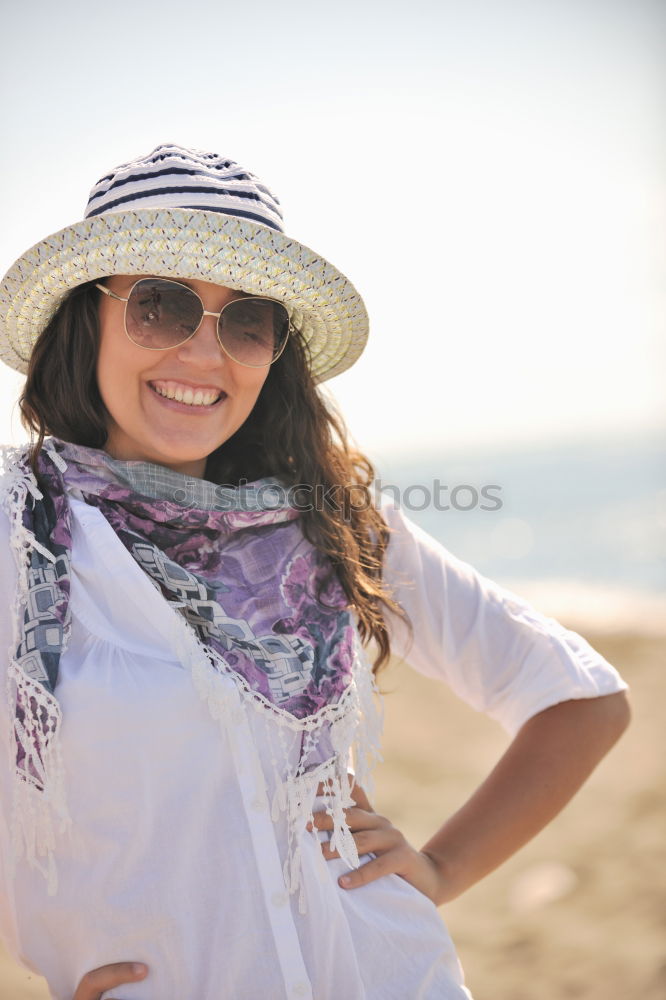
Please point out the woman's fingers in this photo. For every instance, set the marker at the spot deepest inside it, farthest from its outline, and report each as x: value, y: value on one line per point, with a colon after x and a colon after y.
x: 372, y: 833
x: 367, y: 842
x: 384, y: 864
x: 357, y: 819
x: 360, y: 798
x: 97, y: 981
x: 356, y: 792
x: 375, y: 835
x: 401, y: 859
x: 394, y: 855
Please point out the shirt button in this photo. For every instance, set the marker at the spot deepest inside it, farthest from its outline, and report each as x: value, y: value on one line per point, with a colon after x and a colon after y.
x: 279, y: 898
x: 300, y: 989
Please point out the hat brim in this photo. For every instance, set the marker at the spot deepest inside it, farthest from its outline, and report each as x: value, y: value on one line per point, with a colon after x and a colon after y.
x: 181, y: 243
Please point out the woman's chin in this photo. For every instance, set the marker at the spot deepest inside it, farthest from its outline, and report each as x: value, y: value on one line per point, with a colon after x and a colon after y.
x: 188, y: 458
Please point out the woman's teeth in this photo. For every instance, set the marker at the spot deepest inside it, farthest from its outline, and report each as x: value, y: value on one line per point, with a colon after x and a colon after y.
x: 193, y: 397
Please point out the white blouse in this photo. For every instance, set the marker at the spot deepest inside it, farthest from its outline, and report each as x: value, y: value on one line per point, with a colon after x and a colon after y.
x: 175, y: 861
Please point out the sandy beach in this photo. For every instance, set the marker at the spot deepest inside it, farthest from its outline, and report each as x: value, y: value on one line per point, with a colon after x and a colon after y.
x: 578, y: 913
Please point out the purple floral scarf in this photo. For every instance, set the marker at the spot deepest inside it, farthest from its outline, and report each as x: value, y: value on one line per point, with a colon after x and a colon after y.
x: 243, y: 577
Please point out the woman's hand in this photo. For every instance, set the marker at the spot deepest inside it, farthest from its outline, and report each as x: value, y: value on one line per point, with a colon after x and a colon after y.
x: 395, y: 855
x: 97, y: 981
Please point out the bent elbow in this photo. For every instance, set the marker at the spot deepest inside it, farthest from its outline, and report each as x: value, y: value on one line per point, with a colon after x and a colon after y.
x: 617, y: 714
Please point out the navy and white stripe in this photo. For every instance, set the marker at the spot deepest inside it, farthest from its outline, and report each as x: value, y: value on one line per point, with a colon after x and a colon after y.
x: 173, y: 177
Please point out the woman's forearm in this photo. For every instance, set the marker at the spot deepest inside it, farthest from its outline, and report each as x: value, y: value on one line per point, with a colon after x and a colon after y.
x: 546, y: 763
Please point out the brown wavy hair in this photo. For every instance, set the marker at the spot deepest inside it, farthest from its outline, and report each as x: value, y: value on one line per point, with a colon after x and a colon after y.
x: 292, y: 433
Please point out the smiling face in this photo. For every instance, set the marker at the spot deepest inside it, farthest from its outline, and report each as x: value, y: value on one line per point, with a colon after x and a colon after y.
x: 134, y: 383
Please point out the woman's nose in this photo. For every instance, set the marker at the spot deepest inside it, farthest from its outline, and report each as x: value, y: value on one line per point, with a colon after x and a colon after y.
x: 204, y: 347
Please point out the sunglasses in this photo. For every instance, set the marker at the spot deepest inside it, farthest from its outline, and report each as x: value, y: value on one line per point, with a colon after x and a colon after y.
x: 160, y: 314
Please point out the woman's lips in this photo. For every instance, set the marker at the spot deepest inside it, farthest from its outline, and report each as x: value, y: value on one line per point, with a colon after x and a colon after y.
x: 191, y: 408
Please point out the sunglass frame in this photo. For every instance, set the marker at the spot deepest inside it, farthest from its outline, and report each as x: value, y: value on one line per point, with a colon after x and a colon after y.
x: 205, y: 312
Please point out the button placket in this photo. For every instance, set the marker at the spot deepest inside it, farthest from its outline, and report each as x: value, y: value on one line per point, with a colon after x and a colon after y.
x: 267, y: 857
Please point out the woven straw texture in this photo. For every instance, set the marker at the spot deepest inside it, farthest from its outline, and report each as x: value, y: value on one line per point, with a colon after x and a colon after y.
x: 181, y: 243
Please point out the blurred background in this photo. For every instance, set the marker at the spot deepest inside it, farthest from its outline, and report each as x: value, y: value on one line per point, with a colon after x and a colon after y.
x: 490, y: 175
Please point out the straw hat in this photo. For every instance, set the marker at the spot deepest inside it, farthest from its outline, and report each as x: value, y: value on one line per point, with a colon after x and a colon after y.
x: 184, y: 213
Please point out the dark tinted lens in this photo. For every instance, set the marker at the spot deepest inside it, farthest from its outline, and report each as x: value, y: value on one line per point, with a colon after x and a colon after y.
x: 253, y: 330
x: 161, y: 313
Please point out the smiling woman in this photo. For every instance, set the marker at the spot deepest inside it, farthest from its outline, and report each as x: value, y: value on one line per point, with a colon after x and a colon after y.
x: 192, y: 714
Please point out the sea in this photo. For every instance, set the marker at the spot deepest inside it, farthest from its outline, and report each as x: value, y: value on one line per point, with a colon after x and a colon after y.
x: 577, y: 527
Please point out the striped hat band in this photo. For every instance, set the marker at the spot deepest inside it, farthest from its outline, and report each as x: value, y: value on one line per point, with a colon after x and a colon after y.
x: 172, y: 177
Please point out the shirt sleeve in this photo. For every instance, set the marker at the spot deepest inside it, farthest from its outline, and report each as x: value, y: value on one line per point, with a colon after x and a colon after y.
x: 493, y: 649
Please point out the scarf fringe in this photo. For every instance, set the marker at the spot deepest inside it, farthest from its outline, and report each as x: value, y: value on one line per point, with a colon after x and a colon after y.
x: 39, y: 809
x: 354, y: 726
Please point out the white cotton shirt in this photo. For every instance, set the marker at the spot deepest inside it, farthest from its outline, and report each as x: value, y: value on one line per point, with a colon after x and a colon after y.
x: 174, y: 861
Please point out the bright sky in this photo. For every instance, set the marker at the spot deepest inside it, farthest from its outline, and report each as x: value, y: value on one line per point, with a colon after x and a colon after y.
x: 488, y: 174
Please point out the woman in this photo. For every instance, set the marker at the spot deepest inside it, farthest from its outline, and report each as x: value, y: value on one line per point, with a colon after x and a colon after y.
x: 192, y: 569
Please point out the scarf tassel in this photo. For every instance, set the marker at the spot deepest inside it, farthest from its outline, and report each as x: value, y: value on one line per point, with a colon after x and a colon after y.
x: 38, y: 809
x: 354, y: 727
